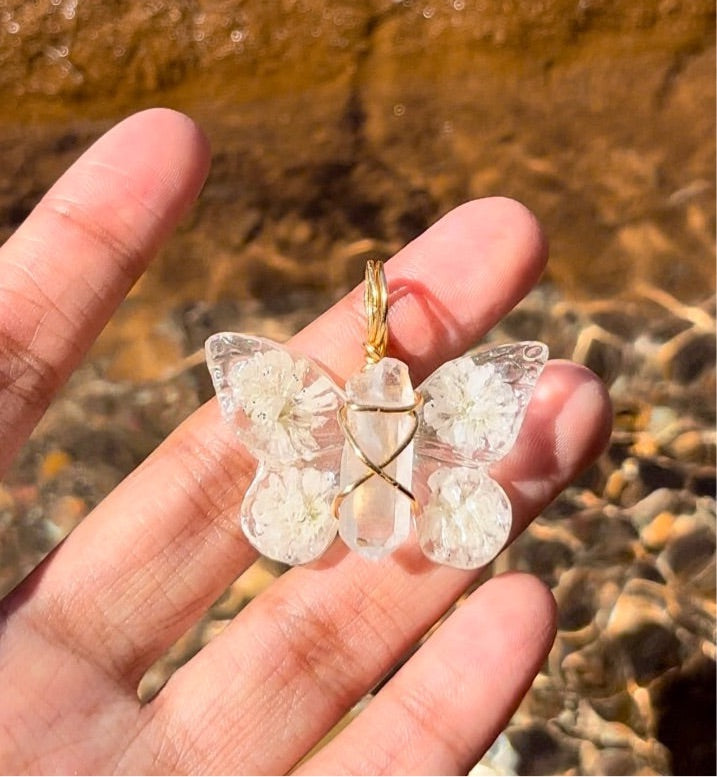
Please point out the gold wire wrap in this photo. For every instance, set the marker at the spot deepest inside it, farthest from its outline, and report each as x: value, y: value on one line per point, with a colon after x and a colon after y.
x: 375, y: 300
x: 377, y: 469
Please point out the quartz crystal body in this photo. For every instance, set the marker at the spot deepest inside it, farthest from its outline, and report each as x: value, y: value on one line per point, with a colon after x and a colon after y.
x: 375, y: 518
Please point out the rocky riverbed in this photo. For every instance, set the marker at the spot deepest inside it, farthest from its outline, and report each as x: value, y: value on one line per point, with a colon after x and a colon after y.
x: 341, y: 130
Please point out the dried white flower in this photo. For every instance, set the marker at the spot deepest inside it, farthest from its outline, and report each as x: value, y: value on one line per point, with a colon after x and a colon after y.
x: 466, y: 520
x: 471, y: 407
x: 290, y: 518
x: 284, y: 413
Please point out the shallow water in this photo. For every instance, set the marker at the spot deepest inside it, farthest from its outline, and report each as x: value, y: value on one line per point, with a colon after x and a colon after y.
x: 344, y: 129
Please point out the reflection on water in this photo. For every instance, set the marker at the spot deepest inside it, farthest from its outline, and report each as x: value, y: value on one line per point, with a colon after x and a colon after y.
x: 340, y: 131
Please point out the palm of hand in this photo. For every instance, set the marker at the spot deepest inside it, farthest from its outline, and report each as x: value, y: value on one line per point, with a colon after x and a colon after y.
x: 77, y: 636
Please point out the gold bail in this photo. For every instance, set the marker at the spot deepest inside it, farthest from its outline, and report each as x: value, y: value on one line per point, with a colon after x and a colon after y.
x: 375, y: 300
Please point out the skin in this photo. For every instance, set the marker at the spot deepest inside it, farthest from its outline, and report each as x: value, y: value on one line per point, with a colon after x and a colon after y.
x: 77, y: 635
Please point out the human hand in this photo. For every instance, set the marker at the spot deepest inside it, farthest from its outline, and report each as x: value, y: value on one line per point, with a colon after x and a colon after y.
x: 77, y: 635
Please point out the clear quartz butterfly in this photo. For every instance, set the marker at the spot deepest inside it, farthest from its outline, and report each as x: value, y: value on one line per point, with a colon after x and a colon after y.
x: 377, y: 458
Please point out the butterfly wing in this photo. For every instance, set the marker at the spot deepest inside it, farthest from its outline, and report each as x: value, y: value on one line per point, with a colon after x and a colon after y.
x: 284, y: 409
x: 473, y: 408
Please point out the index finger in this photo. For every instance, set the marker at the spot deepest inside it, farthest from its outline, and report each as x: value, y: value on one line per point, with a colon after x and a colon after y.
x: 69, y: 265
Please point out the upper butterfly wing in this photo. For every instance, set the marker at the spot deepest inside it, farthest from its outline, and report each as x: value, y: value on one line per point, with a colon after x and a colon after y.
x: 473, y: 408
x: 282, y: 404
x: 284, y: 409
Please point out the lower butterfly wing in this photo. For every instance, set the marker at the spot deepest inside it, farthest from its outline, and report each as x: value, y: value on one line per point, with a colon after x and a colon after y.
x: 284, y: 410
x: 464, y: 517
x: 286, y: 513
x: 473, y: 408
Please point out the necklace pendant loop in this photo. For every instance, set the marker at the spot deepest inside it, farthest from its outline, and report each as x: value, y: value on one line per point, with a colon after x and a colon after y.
x: 376, y: 305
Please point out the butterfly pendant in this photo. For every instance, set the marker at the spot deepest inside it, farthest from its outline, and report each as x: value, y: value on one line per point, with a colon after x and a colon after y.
x: 376, y: 459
